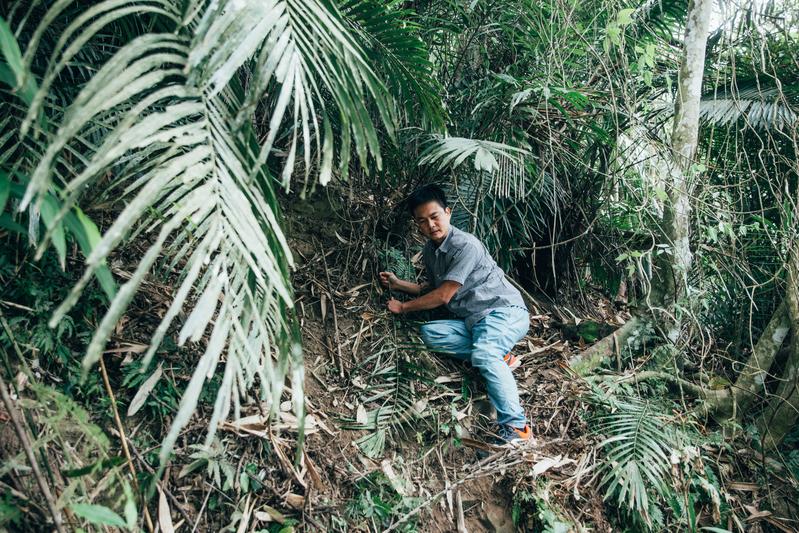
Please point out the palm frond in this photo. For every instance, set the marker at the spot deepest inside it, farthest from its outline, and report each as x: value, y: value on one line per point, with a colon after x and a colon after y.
x: 756, y: 107
x: 173, y: 125
x: 637, y: 446
x: 393, y: 46
x: 504, y: 164
x: 392, y: 394
x: 662, y: 18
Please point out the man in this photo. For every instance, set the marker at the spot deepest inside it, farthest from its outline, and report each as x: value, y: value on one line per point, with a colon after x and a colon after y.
x: 492, y: 316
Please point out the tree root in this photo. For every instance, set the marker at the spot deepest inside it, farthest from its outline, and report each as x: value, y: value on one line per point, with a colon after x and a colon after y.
x: 782, y: 411
x: 733, y: 401
x: 586, y: 362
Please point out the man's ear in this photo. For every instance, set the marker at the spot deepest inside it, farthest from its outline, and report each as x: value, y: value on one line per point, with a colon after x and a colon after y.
x: 447, y: 210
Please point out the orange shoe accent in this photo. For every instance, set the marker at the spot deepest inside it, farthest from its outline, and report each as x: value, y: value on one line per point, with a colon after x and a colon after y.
x: 512, y: 361
x: 525, y: 433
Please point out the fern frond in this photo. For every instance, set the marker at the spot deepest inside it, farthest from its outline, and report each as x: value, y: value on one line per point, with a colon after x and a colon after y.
x: 637, y: 448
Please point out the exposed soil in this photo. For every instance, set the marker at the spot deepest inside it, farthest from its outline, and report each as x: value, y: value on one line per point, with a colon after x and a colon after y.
x: 425, y: 451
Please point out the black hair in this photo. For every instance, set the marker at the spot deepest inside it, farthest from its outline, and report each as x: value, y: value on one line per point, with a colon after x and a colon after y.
x: 425, y: 194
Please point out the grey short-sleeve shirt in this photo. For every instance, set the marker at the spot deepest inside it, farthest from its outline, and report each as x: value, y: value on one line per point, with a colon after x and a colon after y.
x: 464, y: 259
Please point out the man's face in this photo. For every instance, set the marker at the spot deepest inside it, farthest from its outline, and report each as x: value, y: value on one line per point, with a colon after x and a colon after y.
x: 433, y: 221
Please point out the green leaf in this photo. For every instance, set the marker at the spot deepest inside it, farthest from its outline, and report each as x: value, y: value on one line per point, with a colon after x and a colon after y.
x: 7, y: 222
x: 625, y: 16
x: 88, y: 237
x: 100, y: 466
x: 131, y: 515
x: 5, y: 189
x: 98, y: 514
x: 49, y: 210
x: 11, y: 52
x: 12, y: 71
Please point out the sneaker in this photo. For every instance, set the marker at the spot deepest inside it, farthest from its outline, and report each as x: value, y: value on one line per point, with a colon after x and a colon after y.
x: 512, y: 361
x: 511, y: 436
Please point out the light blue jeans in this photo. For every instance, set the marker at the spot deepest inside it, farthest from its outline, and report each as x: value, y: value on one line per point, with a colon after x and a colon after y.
x: 485, y: 346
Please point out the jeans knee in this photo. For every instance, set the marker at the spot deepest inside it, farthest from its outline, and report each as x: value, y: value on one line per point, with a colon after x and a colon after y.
x: 428, y: 333
x: 482, y: 361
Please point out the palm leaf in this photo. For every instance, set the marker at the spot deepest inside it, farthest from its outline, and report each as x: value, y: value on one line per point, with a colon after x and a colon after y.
x: 392, y: 44
x: 637, y: 446
x: 504, y: 164
x: 392, y: 394
x: 756, y: 107
x: 173, y: 125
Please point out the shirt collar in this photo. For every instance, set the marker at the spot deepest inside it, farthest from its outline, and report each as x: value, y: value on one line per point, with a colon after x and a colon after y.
x: 444, y: 247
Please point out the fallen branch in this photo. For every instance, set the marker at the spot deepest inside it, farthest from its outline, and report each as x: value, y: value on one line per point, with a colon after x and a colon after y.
x: 588, y: 360
x: 694, y: 389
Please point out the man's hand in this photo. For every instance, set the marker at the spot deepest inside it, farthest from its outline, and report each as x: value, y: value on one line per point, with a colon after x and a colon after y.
x: 395, y: 306
x: 389, y: 280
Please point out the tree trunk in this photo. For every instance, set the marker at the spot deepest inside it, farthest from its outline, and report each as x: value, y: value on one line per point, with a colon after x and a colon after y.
x: 589, y: 359
x: 671, y: 269
x: 783, y: 410
x: 733, y: 401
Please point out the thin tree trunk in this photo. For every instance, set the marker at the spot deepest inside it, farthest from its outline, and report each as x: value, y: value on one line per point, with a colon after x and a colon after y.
x: 671, y: 269
x: 734, y: 401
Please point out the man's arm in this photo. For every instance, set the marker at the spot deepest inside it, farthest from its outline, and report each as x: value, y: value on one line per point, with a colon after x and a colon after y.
x: 435, y: 298
x: 390, y: 281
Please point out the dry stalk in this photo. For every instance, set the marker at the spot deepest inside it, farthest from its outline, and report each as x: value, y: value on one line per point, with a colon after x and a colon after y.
x: 488, y: 466
x: 23, y: 439
x: 124, y: 440
x: 337, y: 352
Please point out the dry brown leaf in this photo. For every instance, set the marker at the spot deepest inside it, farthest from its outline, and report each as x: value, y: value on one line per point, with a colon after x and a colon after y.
x: 144, y: 391
x: 245, y: 519
x: 164, y: 515
x: 295, y: 501
x: 270, y: 514
x: 400, y: 484
x: 550, y: 462
x: 360, y: 415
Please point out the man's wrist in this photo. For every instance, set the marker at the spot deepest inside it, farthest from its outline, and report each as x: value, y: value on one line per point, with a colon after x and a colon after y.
x: 402, y: 307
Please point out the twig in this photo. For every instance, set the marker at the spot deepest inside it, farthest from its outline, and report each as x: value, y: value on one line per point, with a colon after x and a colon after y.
x: 460, y: 520
x: 124, y: 440
x: 202, y: 510
x: 337, y: 353
x: 484, y: 470
x: 23, y: 439
x: 165, y: 490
